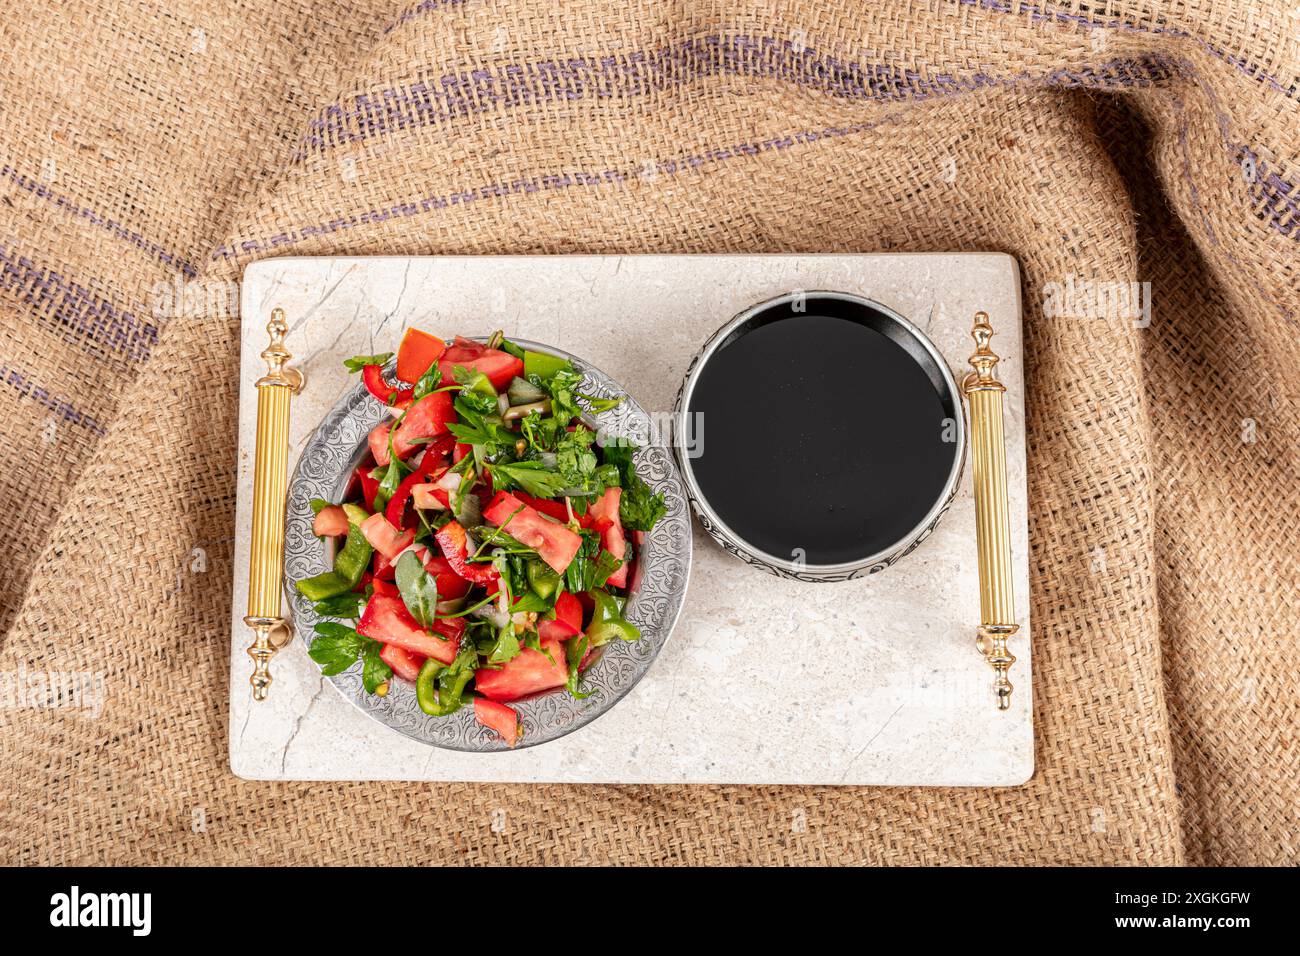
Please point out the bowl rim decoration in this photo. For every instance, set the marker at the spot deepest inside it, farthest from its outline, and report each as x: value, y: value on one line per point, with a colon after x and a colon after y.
x: 738, y: 546
x: 656, y: 596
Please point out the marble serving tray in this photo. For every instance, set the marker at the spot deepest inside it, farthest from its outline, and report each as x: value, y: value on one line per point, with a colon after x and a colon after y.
x: 765, y: 680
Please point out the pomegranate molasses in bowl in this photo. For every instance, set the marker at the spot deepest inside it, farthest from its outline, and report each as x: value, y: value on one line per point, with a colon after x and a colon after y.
x: 821, y: 436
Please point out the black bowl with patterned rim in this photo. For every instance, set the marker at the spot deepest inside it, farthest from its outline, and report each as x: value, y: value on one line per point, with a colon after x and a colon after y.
x: 656, y: 593
x: 873, y: 478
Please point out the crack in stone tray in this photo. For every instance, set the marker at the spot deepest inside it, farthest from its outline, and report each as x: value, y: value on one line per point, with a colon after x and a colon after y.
x: 886, y: 687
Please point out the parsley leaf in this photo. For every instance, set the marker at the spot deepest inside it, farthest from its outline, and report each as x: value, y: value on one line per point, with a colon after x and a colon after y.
x: 428, y: 382
x: 342, y: 605
x: 507, y: 646
x: 639, y: 507
x: 532, y: 476
x: 576, y: 462
x: 358, y: 362
x: 335, y: 648
x: 374, y: 670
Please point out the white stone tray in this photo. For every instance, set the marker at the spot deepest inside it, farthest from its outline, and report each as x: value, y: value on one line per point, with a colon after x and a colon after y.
x: 764, y: 681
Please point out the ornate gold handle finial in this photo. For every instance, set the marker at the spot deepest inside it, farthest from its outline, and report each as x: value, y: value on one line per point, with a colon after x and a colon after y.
x: 276, y: 355
x: 270, y: 481
x: 992, y: 522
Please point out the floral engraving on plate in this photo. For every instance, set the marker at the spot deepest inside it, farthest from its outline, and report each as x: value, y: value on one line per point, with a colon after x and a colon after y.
x: 658, y: 589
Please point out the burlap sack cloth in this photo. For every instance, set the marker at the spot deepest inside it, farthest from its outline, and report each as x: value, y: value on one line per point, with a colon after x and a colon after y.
x: 145, y: 145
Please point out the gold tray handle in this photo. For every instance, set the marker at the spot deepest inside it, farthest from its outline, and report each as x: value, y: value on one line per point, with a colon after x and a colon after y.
x: 992, y: 522
x: 270, y: 483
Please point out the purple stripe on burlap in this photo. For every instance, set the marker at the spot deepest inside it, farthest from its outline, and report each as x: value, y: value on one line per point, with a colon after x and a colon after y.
x: 1047, y: 12
x: 1272, y: 190
x: 111, y: 226
x: 479, y: 90
x: 62, y: 408
x: 75, y: 308
x: 541, y: 183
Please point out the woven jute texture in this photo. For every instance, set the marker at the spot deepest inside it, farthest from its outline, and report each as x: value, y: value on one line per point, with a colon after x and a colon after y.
x: 149, y: 151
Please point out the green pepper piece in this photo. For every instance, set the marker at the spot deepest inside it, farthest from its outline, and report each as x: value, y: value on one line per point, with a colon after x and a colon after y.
x: 607, y: 621
x: 353, y: 560
x: 356, y: 514
x: 472, y: 380
x: 575, y: 650
x: 543, y: 365
x: 438, y: 688
x: 426, y: 687
x: 542, y: 579
x: 451, y: 687
x: 326, y: 585
x: 349, y: 564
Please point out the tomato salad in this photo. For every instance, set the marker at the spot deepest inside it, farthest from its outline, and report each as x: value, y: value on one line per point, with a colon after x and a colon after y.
x: 484, y: 544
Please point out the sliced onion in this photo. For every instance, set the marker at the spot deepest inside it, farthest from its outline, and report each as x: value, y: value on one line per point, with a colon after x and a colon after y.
x: 469, y: 510
x: 490, y: 613
x: 513, y: 413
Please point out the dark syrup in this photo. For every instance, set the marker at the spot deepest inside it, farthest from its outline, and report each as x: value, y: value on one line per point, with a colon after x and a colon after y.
x: 821, y: 435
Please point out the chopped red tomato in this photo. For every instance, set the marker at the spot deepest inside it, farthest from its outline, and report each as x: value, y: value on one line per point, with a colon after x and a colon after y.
x: 613, y: 541
x: 552, y: 509
x: 379, y: 443
x: 554, y: 543
x: 450, y: 584
x: 500, y: 367
x: 385, y: 570
x: 604, y: 514
x: 556, y: 630
x: 396, y: 512
x: 373, y: 376
x: 387, y: 619
x: 380, y: 586
x: 369, y: 486
x: 330, y: 522
x: 403, y: 662
x: 529, y: 672
x: 384, y: 538
x: 498, y: 717
x: 569, y: 610
x: 450, y: 627
x: 427, y: 418
x: 568, y: 619
x: 418, y: 351
x: 452, y: 539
